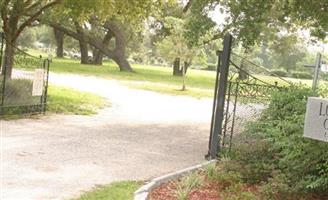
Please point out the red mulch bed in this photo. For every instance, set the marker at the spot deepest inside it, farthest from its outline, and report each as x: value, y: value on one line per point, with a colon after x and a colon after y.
x: 166, y: 191
x: 208, y: 191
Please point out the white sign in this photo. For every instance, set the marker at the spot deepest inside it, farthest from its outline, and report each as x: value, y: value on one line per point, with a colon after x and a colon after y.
x: 38, y: 82
x: 316, y: 119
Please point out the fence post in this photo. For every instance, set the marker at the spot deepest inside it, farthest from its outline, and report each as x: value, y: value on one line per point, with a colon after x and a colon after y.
x: 217, y: 123
x: 46, y: 86
x: 316, y: 72
x: 219, y: 54
x: 2, y: 35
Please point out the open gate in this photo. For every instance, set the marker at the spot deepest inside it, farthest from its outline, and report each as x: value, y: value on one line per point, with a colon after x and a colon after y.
x: 242, y: 90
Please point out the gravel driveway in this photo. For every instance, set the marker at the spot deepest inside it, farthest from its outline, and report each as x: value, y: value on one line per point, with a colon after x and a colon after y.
x: 142, y: 135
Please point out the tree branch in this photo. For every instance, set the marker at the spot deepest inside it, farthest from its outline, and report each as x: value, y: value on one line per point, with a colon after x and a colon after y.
x: 118, y: 34
x: 187, y: 6
x: 34, y: 17
x: 98, y: 44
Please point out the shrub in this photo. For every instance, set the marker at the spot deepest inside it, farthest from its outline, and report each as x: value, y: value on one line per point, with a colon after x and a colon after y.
x: 275, y: 144
x: 235, y: 192
x: 227, y: 179
x: 301, y: 75
x: 254, y: 164
x: 211, y: 67
x: 279, y: 72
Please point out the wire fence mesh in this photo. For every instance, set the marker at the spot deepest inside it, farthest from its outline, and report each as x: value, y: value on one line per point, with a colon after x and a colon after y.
x: 24, y: 84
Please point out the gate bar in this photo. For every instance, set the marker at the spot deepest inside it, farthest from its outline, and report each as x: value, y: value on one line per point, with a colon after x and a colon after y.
x: 220, y: 101
x: 3, y: 70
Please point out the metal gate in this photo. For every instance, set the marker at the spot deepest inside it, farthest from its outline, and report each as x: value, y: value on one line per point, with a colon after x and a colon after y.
x: 242, y: 90
x: 25, y: 90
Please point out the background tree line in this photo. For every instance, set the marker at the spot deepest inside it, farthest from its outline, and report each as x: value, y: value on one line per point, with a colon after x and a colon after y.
x: 165, y: 32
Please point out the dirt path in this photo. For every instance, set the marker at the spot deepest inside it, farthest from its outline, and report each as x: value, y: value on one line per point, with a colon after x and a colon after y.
x: 143, y: 135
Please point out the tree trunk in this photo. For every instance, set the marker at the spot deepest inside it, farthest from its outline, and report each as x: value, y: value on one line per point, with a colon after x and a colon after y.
x: 8, y: 59
x: 97, y: 57
x: 186, y: 66
x: 177, y: 70
x: 242, y: 75
x: 59, y: 36
x: 176, y: 67
x: 84, y: 52
x: 118, y: 54
x: 122, y: 63
x: 83, y: 44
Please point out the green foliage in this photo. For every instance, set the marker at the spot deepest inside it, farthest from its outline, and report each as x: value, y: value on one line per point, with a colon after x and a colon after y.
x: 175, y: 44
x: 255, y: 164
x: 210, y: 171
x: 280, y: 72
x: 276, y: 146
x: 227, y: 179
x: 301, y: 75
x: 236, y: 192
x: 277, y: 187
x: 115, y: 191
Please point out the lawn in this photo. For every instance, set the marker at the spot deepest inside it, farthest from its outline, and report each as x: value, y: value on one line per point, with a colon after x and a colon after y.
x: 155, y: 74
x: 200, y: 83
x: 115, y: 191
x: 69, y: 101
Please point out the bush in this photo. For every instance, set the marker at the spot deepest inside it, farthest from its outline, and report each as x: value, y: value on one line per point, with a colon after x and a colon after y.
x: 235, y: 192
x: 274, y: 145
x: 211, y: 67
x: 254, y: 164
x: 280, y: 72
x: 302, y: 75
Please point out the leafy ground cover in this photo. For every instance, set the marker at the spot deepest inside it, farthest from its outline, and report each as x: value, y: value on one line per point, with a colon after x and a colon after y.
x: 115, y: 191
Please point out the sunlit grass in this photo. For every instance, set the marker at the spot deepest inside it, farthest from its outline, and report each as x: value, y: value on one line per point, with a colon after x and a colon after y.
x: 200, y: 83
x: 116, y: 191
x: 69, y: 101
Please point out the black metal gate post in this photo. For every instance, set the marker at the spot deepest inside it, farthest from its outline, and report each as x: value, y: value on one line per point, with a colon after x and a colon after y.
x: 218, y: 53
x: 45, y: 94
x: 217, y: 123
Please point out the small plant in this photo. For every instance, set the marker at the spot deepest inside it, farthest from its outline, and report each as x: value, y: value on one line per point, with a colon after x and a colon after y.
x: 181, y: 192
x: 188, y: 183
x: 210, y: 171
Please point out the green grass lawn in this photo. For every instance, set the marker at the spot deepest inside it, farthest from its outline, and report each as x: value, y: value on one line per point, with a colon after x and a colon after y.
x: 195, y: 78
x: 200, y: 83
x: 69, y: 101
x: 115, y: 191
